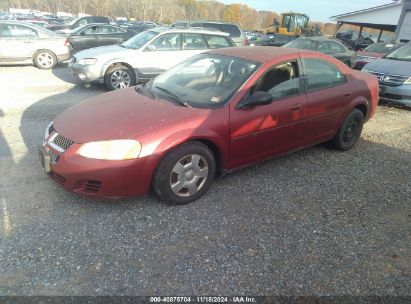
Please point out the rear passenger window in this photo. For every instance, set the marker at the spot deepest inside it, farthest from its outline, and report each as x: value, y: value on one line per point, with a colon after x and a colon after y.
x: 216, y: 42
x: 322, y: 74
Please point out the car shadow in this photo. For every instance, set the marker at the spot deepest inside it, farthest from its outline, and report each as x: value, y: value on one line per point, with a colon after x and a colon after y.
x: 60, y: 71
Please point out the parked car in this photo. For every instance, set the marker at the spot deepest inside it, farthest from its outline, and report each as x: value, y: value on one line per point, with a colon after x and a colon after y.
x: 23, y: 43
x: 394, y: 75
x: 326, y: 46
x: 373, y: 52
x: 144, y: 56
x: 236, y: 33
x: 217, y: 111
x: 273, y: 40
x: 93, y: 35
x: 66, y: 28
x: 42, y: 24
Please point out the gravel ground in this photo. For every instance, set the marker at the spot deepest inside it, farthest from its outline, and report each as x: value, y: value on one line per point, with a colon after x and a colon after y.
x: 316, y: 222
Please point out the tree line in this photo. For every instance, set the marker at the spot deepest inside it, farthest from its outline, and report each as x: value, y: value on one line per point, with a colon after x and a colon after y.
x: 163, y: 11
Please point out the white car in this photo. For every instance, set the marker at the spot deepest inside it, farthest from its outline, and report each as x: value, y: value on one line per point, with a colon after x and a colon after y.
x: 144, y: 56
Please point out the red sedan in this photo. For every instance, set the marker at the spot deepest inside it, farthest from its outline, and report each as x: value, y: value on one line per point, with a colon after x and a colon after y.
x: 214, y: 112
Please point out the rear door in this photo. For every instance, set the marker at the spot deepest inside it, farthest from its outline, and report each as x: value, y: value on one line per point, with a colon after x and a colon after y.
x: 328, y: 93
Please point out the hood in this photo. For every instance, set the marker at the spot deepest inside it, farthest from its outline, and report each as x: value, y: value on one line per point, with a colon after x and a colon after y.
x: 388, y: 66
x: 121, y: 114
x: 111, y: 51
x: 369, y: 54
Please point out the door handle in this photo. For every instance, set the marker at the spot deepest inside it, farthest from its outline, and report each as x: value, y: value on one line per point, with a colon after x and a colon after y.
x: 347, y: 94
x: 296, y: 107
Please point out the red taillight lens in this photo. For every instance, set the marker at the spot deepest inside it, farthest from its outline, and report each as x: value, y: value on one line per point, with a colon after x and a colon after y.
x: 245, y: 42
x: 67, y: 43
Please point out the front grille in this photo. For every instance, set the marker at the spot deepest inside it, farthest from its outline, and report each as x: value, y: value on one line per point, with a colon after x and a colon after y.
x: 390, y: 79
x: 58, y: 178
x: 63, y: 142
x: 91, y: 186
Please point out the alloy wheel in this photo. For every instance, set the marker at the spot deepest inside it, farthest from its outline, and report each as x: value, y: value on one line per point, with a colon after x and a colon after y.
x: 45, y: 60
x: 120, y: 79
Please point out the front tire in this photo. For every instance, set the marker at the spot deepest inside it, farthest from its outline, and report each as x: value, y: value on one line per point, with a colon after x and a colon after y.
x: 45, y: 59
x: 349, y: 132
x: 119, y: 77
x: 184, y: 174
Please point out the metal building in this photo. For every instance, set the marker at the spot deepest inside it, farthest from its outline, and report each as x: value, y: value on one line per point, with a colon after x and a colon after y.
x: 393, y: 17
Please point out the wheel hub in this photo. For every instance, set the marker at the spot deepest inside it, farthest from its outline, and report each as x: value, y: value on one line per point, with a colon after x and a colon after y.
x: 189, y: 175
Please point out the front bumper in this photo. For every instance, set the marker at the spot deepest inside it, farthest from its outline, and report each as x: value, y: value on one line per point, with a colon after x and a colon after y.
x: 399, y: 94
x: 98, y: 178
x: 87, y: 73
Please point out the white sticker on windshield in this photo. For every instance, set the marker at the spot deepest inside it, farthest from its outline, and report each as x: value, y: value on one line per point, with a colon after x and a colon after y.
x: 215, y: 99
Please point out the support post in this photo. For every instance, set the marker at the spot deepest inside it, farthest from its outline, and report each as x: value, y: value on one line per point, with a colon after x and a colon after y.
x: 358, y: 38
x: 379, y: 36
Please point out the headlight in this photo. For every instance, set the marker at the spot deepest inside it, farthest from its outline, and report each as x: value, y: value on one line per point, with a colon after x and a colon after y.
x: 87, y: 61
x: 408, y: 81
x: 364, y: 70
x: 111, y: 150
x: 48, y: 130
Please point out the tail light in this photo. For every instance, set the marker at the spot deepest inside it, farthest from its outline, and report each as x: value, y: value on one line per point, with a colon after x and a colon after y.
x: 67, y: 42
x: 246, y: 43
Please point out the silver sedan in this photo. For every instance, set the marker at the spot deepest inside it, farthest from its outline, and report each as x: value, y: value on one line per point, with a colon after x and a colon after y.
x: 23, y: 43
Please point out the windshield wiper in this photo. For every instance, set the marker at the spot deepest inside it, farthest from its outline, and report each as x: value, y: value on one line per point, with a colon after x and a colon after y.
x: 173, y: 96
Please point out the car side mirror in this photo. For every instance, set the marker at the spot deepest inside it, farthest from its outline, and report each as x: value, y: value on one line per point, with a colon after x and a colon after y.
x: 151, y: 48
x: 258, y: 98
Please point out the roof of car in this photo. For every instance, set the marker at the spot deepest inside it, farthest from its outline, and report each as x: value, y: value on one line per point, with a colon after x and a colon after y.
x: 320, y: 38
x: 188, y: 30
x: 257, y: 53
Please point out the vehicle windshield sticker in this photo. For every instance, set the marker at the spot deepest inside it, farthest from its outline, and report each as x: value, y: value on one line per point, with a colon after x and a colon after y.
x: 215, y: 99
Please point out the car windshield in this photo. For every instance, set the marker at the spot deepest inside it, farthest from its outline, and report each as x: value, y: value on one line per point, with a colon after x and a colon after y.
x: 403, y: 53
x: 74, y: 21
x: 139, y: 40
x: 78, y: 29
x: 306, y: 44
x: 380, y: 48
x: 204, y: 81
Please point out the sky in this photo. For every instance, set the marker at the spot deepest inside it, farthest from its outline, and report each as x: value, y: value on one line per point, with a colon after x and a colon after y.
x: 317, y: 10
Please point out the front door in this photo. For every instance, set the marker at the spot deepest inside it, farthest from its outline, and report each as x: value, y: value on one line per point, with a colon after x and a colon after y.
x: 262, y: 131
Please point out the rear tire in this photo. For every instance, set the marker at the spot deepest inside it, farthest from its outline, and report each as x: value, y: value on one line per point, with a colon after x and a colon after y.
x: 45, y: 59
x: 349, y: 132
x: 184, y: 174
x: 119, y: 77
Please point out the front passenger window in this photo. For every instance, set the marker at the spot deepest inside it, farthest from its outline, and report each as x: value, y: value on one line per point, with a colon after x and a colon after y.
x: 282, y: 81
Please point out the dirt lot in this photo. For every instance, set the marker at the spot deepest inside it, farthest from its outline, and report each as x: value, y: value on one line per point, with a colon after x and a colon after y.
x: 316, y: 222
